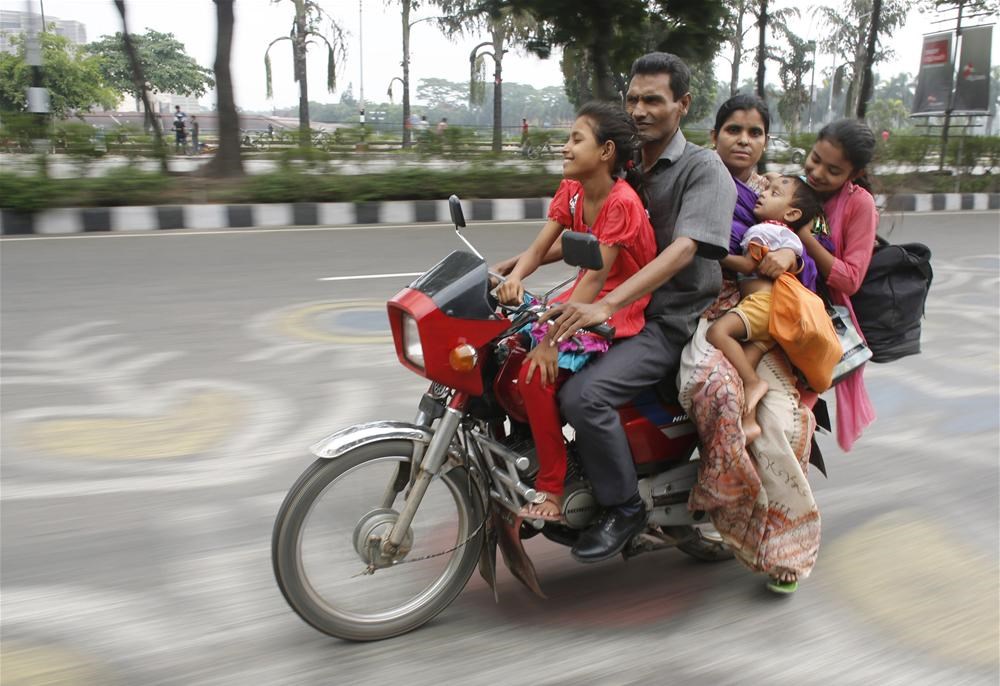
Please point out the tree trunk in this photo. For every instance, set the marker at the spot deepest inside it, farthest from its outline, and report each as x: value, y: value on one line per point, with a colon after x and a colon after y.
x: 407, y: 125
x: 761, y: 60
x: 852, y: 88
x: 761, y: 48
x: 498, y: 40
x: 227, y: 161
x: 604, y: 87
x: 299, y: 49
x: 865, y: 93
x: 734, y: 74
x: 139, y: 82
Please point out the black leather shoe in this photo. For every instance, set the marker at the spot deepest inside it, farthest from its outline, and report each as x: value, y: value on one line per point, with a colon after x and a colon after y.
x: 609, y: 535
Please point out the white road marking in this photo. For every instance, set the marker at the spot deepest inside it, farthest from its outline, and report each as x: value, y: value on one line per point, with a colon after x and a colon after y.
x: 367, y: 276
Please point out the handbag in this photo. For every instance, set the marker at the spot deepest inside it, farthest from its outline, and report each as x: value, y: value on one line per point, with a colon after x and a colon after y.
x: 855, y: 350
x: 890, y: 302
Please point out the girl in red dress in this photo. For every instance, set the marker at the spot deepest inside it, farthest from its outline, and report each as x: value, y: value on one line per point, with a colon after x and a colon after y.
x: 593, y: 198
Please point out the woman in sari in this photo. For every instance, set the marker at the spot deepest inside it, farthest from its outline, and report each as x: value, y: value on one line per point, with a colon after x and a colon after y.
x: 759, y: 501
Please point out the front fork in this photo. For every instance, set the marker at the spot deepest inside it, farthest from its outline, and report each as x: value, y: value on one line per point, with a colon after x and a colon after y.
x: 427, y: 468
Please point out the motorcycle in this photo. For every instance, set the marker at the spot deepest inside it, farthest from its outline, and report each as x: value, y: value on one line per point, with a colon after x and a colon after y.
x: 385, y: 529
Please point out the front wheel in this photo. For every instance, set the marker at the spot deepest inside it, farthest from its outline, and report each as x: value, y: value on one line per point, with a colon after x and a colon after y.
x: 319, y: 549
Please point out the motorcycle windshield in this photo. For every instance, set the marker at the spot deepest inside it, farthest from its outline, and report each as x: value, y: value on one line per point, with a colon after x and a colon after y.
x: 459, y: 286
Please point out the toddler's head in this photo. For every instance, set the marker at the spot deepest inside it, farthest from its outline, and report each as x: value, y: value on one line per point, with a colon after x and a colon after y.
x: 790, y: 200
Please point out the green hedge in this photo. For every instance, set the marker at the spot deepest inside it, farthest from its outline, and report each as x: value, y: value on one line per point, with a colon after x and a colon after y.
x: 405, y: 184
x: 121, y: 186
x: 129, y: 186
x: 299, y: 183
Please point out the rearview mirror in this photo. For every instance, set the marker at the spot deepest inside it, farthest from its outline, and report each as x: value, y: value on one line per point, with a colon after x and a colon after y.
x: 455, y: 207
x: 581, y: 250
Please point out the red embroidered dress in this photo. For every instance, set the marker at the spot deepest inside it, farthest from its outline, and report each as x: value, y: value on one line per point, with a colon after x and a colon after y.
x: 622, y: 221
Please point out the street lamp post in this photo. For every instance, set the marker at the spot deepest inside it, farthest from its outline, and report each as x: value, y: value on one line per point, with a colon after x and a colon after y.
x: 361, y: 65
x: 497, y: 36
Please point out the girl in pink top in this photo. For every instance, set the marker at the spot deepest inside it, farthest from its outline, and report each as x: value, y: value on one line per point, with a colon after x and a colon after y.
x: 835, y: 168
x: 591, y: 199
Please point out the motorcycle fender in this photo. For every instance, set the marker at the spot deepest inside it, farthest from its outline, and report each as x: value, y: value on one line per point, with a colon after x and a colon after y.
x: 345, y: 440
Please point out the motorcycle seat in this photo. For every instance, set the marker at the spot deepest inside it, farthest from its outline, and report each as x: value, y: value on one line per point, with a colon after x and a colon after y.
x: 666, y: 389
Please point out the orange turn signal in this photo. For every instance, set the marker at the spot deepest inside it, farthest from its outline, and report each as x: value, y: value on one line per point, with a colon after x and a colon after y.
x: 463, y: 358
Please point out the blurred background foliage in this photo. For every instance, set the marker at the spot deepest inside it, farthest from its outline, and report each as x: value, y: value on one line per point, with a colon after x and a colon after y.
x: 457, y: 150
x: 321, y: 173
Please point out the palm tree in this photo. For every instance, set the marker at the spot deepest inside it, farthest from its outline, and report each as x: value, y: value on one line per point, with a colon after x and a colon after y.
x: 506, y: 28
x: 851, y: 34
x: 407, y: 6
x: 306, y: 30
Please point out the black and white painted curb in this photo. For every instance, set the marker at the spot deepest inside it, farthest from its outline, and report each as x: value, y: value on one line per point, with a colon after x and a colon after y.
x: 144, y: 219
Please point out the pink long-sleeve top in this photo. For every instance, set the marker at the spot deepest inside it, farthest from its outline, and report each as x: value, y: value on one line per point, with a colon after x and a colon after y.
x: 853, y: 223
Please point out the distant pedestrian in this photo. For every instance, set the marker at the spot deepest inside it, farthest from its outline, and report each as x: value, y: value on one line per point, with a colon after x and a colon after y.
x: 442, y: 125
x: 180, y: 129
x: 195, y: 129
x: 524, y: 136
x: 423, y: 124
x: 270, y: 128
x: 885, y: 135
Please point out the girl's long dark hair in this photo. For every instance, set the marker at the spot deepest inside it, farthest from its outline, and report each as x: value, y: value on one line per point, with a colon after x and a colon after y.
x: 858, y: 143
x: 612, y: 123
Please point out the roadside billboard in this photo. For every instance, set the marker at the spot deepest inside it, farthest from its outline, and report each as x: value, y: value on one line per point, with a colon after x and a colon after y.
x: 935, y: 76
x: 972, y: 83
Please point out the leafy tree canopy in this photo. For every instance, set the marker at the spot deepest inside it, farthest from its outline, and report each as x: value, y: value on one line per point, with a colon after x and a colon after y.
x: 848, y: 37
x: 796, y: 63
x: 442, y: 98
x: 166, y: 65
x: 72, y: 76
x: 613, y: 34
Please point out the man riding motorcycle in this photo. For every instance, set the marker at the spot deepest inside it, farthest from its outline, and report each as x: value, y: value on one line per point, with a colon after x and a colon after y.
x: 690, y: 198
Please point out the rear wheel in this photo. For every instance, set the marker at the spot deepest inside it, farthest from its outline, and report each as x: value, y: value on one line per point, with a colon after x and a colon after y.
x: 328, y: 530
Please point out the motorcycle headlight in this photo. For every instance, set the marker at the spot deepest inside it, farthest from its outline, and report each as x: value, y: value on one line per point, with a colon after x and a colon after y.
x: 412, y: 350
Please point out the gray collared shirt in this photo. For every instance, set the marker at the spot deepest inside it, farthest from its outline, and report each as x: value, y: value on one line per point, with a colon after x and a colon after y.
x: 690, y: 193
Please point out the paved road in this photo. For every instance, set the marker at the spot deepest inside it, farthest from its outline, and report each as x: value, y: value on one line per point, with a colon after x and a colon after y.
x: 159, y: 392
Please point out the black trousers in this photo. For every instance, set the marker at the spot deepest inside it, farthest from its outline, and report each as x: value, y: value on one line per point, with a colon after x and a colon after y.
x: 589, y: 400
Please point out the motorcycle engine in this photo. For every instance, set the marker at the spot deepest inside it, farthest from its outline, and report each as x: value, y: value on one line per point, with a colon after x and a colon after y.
x: 579, y: 505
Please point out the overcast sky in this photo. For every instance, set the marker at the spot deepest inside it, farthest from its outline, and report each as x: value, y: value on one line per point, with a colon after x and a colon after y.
x: 432, y: 55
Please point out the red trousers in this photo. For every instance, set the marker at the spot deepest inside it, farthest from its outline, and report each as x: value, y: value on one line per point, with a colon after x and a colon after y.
x: 546, y: 428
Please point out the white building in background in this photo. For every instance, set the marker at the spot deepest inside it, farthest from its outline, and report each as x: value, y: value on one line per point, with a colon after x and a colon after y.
x: 13, y: 23
x: 166, y: 102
